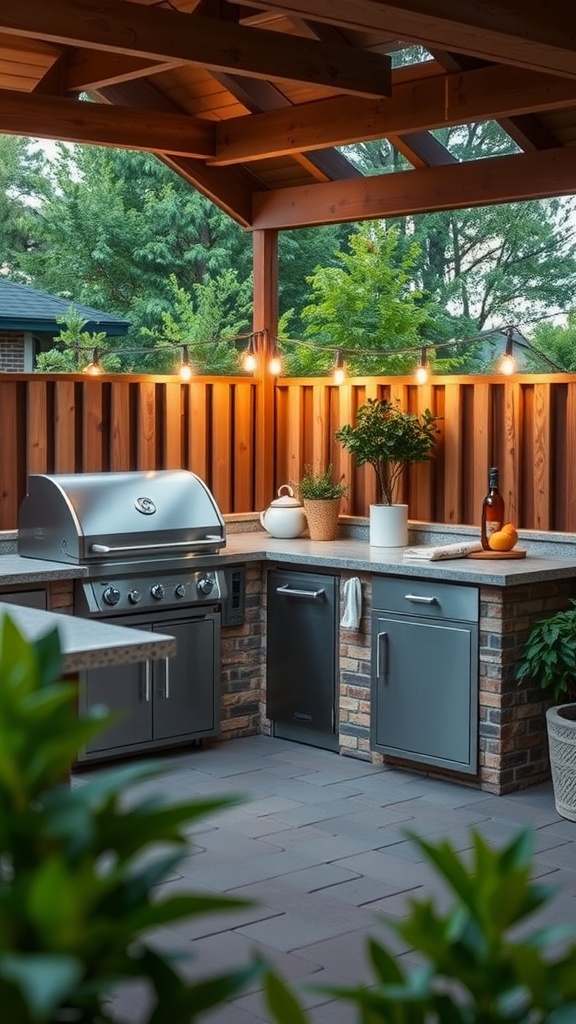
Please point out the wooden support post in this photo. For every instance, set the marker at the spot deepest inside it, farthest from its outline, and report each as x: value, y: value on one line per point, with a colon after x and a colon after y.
x: 265, y: 326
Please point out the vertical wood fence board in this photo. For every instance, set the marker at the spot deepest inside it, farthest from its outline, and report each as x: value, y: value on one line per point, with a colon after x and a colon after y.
x: 318, y: 435
x: 346, y: 413
x: 222, y: 449
x: 537, y: 461
x: 146, y: 425
x: 420, y: 498
x: 294, y: 435
x: 452, y: 428
x: 65, y: 429
x: 92, y: 426
x: 37, y: 427
x: 243, y: 443
x: 120, y: 439
x: 570, y: 454
x: 509, y: 465
x: 197, y: 395
x: 481, y: 454
x: 172, y: 433
x: 280, y: 447
x: 10, y: 456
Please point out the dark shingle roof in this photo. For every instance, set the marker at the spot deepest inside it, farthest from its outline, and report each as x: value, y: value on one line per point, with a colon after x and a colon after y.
x: 26, y: 309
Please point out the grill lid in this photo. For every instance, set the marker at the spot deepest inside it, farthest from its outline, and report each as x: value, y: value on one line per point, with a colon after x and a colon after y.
x: 92, y: 517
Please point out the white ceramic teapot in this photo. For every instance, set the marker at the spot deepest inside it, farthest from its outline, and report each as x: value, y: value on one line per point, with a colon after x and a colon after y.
x: 284, y: 517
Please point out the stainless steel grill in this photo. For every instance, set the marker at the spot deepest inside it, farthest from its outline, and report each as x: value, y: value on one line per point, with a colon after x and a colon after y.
x: 148, y: 539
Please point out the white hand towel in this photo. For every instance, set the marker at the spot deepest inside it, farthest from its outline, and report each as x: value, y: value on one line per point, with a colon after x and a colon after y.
x: 352, y: 595
x: 434, y: 554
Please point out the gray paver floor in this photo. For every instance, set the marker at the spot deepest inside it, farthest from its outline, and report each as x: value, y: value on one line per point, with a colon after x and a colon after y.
x: 319, y: 844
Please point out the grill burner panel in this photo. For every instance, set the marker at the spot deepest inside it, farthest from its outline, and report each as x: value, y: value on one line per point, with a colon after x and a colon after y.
x: 154, y: 591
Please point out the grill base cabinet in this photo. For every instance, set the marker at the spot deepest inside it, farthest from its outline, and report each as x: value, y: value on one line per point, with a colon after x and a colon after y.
x: 425, y: 672
x: 163, y: 703
x: 301, y: 656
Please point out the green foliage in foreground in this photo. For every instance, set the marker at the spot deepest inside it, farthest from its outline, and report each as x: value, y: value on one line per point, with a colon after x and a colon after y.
x: 475, y: 966
x: 80, y: 867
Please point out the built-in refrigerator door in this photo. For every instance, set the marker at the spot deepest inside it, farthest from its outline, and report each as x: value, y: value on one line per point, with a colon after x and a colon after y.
x: 302, y: 609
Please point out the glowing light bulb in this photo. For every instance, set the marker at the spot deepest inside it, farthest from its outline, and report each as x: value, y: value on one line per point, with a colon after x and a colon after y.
x: 185, y: 372
x: 507, y: 365
x: 421, y: 374
x: 249, y: 362
x: 339, y: 374
x: 95, y: 367
x: 275, y: 366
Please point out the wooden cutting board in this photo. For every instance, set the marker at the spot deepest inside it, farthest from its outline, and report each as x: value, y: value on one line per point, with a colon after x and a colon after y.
x: 514, y: 553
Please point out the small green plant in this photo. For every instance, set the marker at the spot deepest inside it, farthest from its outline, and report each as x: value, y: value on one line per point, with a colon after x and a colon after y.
x: 80, y: 866
x: 388, y: 438
x: 476, y: 967
x: 316, y: 486
x: 549, y: 656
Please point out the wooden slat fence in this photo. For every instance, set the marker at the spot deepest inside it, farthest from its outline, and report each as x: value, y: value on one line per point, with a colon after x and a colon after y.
x: 526, y: 425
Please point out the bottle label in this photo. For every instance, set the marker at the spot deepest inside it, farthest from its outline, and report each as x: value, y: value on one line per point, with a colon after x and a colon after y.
x: 492, y: 527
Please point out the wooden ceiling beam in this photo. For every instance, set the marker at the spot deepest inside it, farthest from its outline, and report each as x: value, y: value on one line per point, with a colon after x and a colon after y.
x: 87, y: 70
x: 52, y: 117
x: 154, y: 33
x: 422, y: 149
x: 490, y: 92
x: 533, y: 35
x: 503, y: 179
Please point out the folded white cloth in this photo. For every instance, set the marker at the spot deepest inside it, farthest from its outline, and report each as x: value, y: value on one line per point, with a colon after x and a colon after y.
x: 352, y: 595
x: 434, y: 554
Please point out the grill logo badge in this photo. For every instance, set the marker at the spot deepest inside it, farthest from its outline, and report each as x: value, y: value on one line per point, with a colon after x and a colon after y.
x: 145, y: 505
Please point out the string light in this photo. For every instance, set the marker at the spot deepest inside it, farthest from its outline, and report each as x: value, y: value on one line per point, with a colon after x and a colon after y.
x: 249, y: 360
x: 185, y: 370
x: 95, y: 367
x: 507, y: 363
x: 275, y: 362
x: 249, y: 357
x: 339, y: 370
x: 422, y: 370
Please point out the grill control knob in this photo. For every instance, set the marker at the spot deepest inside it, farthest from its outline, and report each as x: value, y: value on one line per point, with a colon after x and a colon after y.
x: 205, y: 585
x: 134, y: 596
x: 180, y: 590
x: 157, y: 591
x: 111, y: 595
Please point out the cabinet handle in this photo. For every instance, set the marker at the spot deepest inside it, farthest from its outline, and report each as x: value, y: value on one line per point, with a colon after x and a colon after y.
x: 381, y: 640
x: 421, y: 600
x: 167, y: 678
x: 286, y: 589
x: 147, y: 681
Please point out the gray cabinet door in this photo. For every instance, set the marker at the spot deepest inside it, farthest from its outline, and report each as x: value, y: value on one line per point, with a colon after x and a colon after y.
x: 425, y: 690
x: 126, y: 690
x: 185, y: 691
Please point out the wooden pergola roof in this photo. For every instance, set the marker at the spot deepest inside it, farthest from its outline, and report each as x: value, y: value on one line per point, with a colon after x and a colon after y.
x: 249, y: 101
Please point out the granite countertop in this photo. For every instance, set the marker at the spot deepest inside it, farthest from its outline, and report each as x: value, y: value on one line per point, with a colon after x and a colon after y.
x: 88, y: 643
x: 358, y: 556
x: 350, y: 554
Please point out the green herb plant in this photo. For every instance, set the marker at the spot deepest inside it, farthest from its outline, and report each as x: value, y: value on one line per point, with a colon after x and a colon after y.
x: 549, y: 655
x: 388, y: 438
x: 320, y: 485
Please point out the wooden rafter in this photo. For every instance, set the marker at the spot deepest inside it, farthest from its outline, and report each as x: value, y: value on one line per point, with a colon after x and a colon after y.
x: 531, y: 35
x: 501, y: 179
x: 117, y: 26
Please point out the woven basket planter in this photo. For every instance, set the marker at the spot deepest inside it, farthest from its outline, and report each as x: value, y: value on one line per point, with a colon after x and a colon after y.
x: 322, y: 516
x: 561, y: 725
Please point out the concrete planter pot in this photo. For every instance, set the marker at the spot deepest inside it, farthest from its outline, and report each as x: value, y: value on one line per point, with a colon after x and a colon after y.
x: 389, y: 526
x: 561, y: 726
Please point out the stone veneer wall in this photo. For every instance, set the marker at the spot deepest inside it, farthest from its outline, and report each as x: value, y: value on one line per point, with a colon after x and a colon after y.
x: 11, y: 352
x: 244, y: 663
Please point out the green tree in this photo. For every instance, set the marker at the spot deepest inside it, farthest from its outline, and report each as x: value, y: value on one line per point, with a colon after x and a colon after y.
x: 23, y: 188
x: 366, y: 302
x: 75, y: 348
x: 119, y: 225
x: 558, y: 342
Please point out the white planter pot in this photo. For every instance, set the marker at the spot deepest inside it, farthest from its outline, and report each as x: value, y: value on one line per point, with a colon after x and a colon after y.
x: 389, y: 526
x: 561, y: 725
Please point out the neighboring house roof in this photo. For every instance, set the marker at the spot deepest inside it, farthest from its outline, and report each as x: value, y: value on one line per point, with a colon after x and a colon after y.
x: 26, y: 309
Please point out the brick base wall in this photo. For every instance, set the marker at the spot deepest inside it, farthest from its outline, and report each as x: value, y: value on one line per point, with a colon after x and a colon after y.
x: 243, y: 664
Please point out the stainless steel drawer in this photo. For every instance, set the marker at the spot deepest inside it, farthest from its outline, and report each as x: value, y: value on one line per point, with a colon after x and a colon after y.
x: 425, y: 598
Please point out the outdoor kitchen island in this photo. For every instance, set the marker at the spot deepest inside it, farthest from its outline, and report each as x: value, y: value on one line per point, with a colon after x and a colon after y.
x: 511, y: 595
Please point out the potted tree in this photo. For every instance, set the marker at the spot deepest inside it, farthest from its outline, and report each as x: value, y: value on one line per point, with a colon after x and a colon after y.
x: 388, y: 438
x: 549, y: 660
x: 321, y: 495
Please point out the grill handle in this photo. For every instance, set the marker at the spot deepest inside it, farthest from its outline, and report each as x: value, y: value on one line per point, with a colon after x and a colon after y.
x: 286, y: 589
x: 105, y: 549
